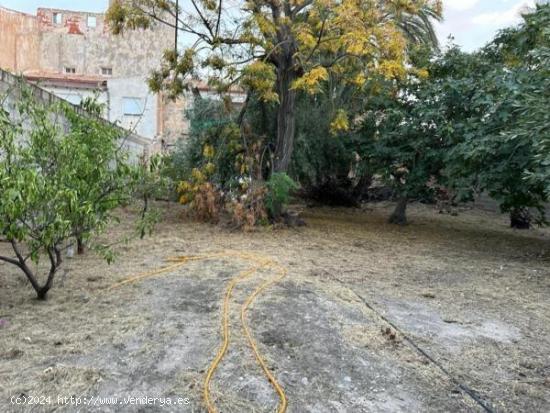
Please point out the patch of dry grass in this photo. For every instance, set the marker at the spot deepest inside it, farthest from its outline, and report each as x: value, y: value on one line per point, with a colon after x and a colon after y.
x: 468, y: 266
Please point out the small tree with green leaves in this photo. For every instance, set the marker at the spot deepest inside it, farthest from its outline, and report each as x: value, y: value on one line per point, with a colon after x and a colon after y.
x: 279, y: 189
x: 150, y: 183
x: 101, y: 173
x: 55, y: 185
x: 402, y: 131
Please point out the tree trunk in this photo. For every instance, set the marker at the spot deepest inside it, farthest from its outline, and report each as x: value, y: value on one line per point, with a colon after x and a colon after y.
x: 520, y: 218
x: 399, y: 215
x: 42, y: 292
x: 143, y: 214
x: 56, y: 260
x: 286, y: 119
x: 79, y: 245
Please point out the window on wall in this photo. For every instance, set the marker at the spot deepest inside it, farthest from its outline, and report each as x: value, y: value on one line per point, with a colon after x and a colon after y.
x: 91, y: 21
x: 133, y: 106
x: 70, y: 70
x: 57, y: 18
x: 107, y: 71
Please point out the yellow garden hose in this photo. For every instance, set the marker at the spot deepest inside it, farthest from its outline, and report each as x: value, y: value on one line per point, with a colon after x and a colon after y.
x: 147, y: 274
x: 225, y: 333
x: 282, y: 397
x: 260, y: 262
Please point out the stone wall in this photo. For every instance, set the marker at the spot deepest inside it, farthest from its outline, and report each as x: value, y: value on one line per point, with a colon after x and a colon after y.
x: 174, y: 125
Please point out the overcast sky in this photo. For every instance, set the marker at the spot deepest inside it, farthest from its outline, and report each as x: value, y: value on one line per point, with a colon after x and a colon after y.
x: 472, y: 22
x: 475, y: 22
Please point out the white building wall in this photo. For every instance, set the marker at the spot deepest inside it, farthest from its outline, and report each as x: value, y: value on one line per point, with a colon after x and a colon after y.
x: 145, y: 123
x: 76, y: 96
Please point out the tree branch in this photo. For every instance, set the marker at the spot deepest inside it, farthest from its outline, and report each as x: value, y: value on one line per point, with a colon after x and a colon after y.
x: 10, y: 260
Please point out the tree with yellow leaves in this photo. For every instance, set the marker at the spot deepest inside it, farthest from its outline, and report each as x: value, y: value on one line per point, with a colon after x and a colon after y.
x: 274, y: 48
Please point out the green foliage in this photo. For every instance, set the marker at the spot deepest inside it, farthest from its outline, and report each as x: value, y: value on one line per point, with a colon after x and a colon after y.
x: 151, y: 182
x: 279, y: 188
x: 498, y: 147
x: 478, y: 123
x: 532, y: 68
x: 56, y: 183
x: 327, y: 166
x: 102, y: 176
x: 219, y: 167
x: 321, y: 157
x: 403, y: 132
x: 210, y: 124
x: 505, y: 123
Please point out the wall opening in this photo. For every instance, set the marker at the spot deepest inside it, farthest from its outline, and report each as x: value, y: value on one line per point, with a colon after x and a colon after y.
x: 57, y: 18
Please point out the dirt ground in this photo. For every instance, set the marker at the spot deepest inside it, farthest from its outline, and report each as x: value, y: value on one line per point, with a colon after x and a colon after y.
x: 447, y: 314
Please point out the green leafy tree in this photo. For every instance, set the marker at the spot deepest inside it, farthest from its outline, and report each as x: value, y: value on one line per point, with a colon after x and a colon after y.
x: 403, y: 132
x: 55, y: 185
x: 506, y: 125
x: 101, y: 173
x: 478, y: 123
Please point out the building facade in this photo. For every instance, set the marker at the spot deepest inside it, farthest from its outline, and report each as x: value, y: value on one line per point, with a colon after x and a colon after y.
x: 73, y: 55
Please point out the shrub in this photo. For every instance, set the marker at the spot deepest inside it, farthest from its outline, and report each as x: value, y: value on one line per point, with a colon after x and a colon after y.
x: 279, y: 188
x: 248, y: 209
x: 219, y: 168
x: 214, y: 137
x: 150, y: 183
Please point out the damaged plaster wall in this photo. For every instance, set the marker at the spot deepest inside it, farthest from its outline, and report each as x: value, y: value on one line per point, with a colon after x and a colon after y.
x: 78, y: 44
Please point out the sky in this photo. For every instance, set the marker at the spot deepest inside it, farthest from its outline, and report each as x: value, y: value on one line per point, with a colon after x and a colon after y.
x: 472, y: 23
